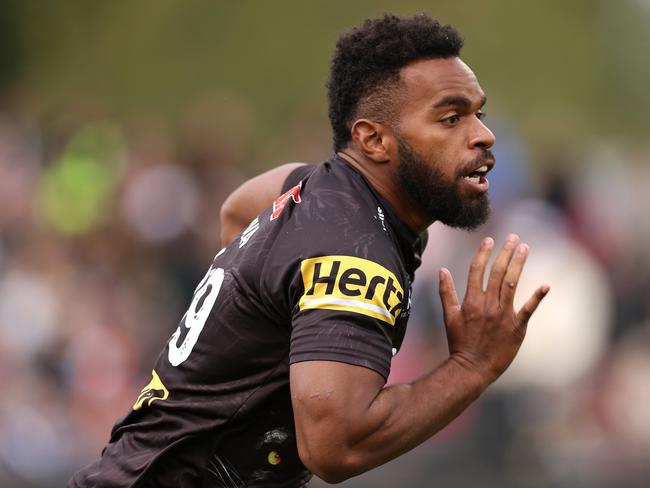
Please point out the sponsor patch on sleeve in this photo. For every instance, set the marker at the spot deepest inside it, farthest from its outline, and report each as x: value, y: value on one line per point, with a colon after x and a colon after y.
x: 351, y: 284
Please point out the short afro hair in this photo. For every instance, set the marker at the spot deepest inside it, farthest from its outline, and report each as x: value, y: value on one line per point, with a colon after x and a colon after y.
x: 367, y: 62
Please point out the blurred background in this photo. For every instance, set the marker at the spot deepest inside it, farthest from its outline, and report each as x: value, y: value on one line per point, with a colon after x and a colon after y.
x: 123, y: 126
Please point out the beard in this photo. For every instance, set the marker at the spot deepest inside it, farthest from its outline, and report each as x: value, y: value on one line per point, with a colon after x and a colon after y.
x: 435, y: 196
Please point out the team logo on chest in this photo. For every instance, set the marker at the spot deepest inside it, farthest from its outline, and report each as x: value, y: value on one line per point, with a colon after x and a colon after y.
x: 351, y: 284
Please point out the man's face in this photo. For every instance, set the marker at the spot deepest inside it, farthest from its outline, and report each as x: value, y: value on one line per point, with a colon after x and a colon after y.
x: 442, y: 145
x: 438, y: 197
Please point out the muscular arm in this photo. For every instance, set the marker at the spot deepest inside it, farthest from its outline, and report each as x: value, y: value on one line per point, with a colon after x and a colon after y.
x: 250, y: 199
x: 348, y: 422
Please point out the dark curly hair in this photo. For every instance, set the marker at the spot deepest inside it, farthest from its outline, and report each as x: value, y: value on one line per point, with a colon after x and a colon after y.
x: 366, y: 66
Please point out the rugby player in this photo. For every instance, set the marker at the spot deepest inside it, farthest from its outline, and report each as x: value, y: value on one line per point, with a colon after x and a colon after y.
x: 278, y: 368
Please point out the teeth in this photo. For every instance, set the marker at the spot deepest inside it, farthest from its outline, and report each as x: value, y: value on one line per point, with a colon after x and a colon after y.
x: 473, y: 179
x: 482, y: 169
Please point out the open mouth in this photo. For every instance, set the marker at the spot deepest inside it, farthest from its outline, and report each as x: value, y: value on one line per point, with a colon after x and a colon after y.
x: 478, y: 175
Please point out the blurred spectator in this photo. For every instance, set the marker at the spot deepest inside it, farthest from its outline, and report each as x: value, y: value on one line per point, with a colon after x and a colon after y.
x: 160, y: 203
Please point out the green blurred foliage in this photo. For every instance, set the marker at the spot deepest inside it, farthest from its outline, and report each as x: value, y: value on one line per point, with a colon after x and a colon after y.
x: 559, y: 70
x: 75, y: 190
x: 73, y: 195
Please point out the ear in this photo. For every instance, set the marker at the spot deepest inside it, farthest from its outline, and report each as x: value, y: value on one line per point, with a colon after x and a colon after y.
x: 373, y: 139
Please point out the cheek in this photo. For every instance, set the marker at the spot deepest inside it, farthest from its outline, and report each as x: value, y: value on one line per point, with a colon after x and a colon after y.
x: 439, y: 146
x: 444, y: 159
x: 449, y: 155
x: 438, y: 140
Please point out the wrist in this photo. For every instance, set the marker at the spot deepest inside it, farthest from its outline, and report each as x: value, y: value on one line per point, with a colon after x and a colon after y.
x: 473, y: 376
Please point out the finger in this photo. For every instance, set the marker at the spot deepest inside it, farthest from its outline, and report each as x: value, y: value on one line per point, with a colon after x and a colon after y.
x: 509, y: 285
x: 524, y: 314
x: 448, y: 295
x: 500, y: 267
x: 477, y: 268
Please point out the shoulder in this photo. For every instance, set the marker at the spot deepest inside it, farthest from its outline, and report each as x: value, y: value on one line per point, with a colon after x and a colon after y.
x: 331, y: 218
x: 331, y: 211
x: 336, y: 198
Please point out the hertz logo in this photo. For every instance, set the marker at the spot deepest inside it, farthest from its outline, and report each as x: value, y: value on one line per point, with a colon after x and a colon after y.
x: 351, y: 284
x: 155, y: 390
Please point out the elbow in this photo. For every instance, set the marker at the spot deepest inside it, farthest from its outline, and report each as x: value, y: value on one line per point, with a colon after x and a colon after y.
x: 229, y: 224
x: 333, y: 466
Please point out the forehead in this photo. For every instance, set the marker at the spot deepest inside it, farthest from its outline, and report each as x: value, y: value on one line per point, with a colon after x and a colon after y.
x: 434, y: 79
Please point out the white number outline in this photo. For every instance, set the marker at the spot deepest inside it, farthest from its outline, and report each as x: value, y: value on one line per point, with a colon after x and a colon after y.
x: 193, y: 319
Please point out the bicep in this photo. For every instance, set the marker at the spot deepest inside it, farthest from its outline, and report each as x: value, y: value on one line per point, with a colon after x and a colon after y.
x: 328, y: 399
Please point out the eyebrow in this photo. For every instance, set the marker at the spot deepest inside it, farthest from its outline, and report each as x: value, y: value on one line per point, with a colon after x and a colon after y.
x: 458, y: 101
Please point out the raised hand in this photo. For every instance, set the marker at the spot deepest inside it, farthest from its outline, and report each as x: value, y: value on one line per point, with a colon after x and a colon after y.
x: 485, y: 332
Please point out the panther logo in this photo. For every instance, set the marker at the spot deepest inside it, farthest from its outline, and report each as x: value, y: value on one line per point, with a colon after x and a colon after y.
x: 155, y: 390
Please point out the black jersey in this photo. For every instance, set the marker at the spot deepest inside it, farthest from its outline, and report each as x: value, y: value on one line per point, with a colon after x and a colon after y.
x: 323, y: 274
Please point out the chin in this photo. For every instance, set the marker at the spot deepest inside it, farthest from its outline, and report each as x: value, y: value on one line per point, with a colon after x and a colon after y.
x: 468, y: 216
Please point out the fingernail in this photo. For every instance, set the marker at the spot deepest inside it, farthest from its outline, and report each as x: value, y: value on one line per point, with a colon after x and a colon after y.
x: 487, y: 243
x: 511, y: 241
x: 442, y: 274
x: 522, y: 249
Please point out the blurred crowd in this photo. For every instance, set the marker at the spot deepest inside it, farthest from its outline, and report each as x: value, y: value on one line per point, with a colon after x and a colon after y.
x: 105, y: 229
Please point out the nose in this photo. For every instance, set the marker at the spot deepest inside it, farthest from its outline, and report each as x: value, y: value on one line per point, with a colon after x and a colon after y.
x: 481, y: 137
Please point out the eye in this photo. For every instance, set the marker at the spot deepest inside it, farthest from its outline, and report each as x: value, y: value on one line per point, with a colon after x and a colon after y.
x: 481, y: 115
x: 451, y: 120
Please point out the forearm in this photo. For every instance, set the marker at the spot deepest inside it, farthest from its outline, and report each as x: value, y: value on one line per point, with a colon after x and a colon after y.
x: 403, y: 416
x: 372, y: 431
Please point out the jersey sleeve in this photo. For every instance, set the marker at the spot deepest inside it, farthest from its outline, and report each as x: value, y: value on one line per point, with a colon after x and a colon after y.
x: 338, y: 271
x: 347, y: 312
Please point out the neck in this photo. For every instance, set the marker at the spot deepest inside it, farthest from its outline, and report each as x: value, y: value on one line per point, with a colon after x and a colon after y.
x: 383, y: 178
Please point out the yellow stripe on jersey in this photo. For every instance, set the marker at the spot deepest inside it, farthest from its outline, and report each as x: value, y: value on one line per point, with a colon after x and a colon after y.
x: 351, y: 284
